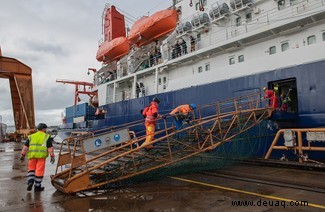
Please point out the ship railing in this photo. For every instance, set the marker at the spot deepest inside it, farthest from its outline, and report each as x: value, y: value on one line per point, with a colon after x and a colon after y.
x: 268, y: 19
x: 250, y: 101
x: 245, y: 102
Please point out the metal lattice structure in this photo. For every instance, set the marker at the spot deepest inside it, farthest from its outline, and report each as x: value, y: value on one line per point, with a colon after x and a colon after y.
x: 83, y: 166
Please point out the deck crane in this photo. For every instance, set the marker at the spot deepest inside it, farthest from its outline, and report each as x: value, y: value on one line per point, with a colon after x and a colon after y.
x: 85, y: 89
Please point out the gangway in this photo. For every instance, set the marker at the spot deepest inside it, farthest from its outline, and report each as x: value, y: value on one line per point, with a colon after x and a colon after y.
x: 96, y: 159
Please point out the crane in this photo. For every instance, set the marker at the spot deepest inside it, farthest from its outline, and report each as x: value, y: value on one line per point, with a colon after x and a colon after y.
x: 87, y: 86
x: 21, y: 90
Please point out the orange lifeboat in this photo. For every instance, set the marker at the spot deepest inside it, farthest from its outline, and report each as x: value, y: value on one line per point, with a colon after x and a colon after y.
x: 138, y: 26
x: 113, y: 50
x: 148, y: 29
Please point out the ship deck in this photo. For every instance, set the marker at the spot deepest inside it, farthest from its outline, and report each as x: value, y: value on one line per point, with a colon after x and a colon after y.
x: 264, y: 188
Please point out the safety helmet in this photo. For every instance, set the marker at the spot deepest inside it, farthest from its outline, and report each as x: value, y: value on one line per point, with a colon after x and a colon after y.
x: 155, y: 99
x: 41, y: 126
x: 193, y: 106
x: 264, y: 88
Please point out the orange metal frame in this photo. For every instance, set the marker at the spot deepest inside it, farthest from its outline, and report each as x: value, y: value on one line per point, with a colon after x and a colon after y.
x: 21, y: 89
x: 300, y: 147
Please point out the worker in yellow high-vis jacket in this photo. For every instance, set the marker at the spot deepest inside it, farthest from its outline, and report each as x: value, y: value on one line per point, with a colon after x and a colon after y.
x: 37, y: 147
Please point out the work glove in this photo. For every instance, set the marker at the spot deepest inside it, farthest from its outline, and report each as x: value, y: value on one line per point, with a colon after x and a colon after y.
x: 52, y: 160
x: 22, y: 157
x: 163, y: 117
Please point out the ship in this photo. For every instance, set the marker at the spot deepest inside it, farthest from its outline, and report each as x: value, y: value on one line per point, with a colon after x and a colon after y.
x: 203, y: 51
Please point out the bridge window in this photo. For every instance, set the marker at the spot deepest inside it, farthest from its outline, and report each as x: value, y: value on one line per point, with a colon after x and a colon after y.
x: 198, y: 37
x: 207, y: 67
x: 272, y: 50
x: 323, y: 36
x: 238, y: 21
x: 293, y: 2
x: 159, y: 81
x: 200, y: 69
x: 281, y: 4
x: 231, y: 60
x: 241, y: 58
x: 311, y: 39
x: 248, y: 17
x: 284, y: 46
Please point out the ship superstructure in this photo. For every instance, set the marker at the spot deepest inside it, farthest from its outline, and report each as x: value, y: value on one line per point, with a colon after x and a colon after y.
x: 227, y: 40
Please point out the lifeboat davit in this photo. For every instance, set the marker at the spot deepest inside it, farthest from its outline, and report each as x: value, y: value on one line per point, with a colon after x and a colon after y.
x: 113, y: 50
x: 148, y: 29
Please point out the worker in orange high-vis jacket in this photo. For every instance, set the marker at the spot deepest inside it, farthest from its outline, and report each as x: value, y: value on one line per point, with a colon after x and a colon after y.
x: 182, y: 113
x: 151, y: 115
x: 273, y: 99
x: 37, y: 147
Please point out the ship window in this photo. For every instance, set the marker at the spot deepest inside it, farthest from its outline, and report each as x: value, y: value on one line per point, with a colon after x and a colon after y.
x: 284, y: 46
x: 238, y: 21
x: 311, y: 39
x: 205, y: 2
x: 231, y: 60
x: 272, y: 50
x: 248, y: 17
x: 198, y: 37
x: 281, y: 4
x: 159, y: 81
x: 207, y: 67
x: 165, y: 80
x: 200, y: 69
x: 323, y: 36
x: 293, y: 2
x: 241, y: 58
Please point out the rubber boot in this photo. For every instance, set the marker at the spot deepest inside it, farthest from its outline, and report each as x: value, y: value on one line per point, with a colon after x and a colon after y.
x: 38, y: 188
x: 30, y: 184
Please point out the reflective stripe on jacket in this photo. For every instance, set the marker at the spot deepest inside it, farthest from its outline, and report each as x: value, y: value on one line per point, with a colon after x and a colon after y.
x: 38, y: 145
x: 151, y: 111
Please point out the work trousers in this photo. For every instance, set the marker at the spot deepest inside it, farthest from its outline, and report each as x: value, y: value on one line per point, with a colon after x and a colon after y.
x: 150, y: 132
x: 36, y: 169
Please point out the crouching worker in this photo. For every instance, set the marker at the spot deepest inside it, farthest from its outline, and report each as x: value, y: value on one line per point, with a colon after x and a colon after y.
x: 37, y: 148
x: 181, y: 113
x: 150, y: 113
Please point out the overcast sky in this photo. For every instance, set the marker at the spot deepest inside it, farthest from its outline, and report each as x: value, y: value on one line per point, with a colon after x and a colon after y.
x: 58, y: 39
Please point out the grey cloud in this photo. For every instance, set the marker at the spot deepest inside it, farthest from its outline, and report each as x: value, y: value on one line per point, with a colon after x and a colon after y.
x: 53, y: 98
x: 37, y: 46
